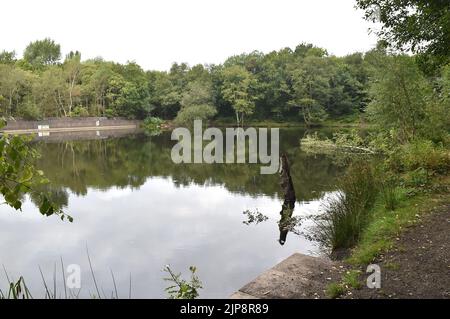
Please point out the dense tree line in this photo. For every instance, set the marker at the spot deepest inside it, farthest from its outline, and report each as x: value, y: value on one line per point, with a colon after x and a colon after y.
x: 301, y: 84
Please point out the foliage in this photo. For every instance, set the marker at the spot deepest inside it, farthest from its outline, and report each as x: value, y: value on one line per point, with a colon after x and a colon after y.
x: 18, y: 176
x: 386, y: 225
x: 399, y: 96
x: 79, y: 111
x: 180, y: 288
x: 29, y: 111
x: 196, y: 104
x: 186, y: 116
x: 42, y: 52
x: 424, y: 154
x: 341, y: 143
x: 418, y: 25
x: 236, y: 89
x: 304, y: 84
x: 152, y: 125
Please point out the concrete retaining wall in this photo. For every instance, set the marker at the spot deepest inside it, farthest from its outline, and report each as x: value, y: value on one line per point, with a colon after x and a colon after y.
x: 55, y: 123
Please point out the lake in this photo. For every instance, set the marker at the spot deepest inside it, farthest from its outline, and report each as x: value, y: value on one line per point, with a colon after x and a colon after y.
x: 136, y: 211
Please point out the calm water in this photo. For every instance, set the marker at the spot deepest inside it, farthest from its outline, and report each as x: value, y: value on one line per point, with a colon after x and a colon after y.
x: 137, y: 211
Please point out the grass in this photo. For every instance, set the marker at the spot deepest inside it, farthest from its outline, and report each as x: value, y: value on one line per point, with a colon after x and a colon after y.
x: 17, y: 289
x: 379, y: 236
x: 347, y: 214
x: 395, y: 209
x: 350, y: 280
x: 391, y: 195
x: 335, y: 290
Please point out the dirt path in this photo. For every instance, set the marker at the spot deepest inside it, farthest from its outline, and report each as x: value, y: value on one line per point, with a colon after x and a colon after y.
x: 419, y: 265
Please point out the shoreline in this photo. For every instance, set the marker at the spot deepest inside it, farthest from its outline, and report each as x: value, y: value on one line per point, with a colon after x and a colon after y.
x: 70, y: 129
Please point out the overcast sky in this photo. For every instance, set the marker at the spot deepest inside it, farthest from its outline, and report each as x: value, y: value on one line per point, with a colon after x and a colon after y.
x: 155, y: 33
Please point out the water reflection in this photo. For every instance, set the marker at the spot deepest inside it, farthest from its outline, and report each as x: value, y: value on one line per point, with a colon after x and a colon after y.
x: 137, y: 211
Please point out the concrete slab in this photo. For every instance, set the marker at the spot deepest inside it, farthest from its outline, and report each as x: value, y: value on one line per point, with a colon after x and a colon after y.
x: 299, y: 276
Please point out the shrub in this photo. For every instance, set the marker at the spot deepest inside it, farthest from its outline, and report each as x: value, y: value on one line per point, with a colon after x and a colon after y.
x: 80, y: 111
x: 110, y: 113
x: 187, y: 115
x: 424, y: 154
x: 418, y: 177
x: 29, y: 111
x: 153, y: 121
x: 152, y: 125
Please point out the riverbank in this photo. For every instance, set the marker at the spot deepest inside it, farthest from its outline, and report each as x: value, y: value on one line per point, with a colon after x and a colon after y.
x: 409, y: 244
x: 344, y: 122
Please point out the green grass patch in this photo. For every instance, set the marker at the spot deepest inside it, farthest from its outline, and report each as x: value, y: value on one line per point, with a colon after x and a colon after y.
x: 386, y: 224
x: 350, y: 280
x: 335, y: 290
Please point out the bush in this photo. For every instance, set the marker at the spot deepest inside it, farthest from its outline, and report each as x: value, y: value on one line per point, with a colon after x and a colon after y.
x: 424, y: 154
x: 152, y: 125
x: 187, y: 115
x: 153, y: 121
x: 419, y: 177
x: 349, y: 212
x: 30, y: 111
x: 110, y: 113
x: 79, y: 111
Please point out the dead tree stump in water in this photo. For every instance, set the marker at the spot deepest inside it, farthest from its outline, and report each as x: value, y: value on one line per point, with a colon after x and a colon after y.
x: 289, y: 198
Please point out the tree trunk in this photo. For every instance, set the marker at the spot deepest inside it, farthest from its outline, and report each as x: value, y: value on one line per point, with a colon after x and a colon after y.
x: 289, y: 199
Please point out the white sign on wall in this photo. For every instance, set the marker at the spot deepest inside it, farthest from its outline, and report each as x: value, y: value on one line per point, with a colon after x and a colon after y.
x: 43, y: 127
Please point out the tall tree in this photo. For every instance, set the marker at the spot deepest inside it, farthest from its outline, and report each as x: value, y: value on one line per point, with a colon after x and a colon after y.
x: 399, y: 97
x: 310, y: 81
x: 42, y: 52
x: 236, y: 89
x: 12, y: 83
x: 7, y: 57
x: 196, y: 103
x: 72, y: 69
x: 422, y: 26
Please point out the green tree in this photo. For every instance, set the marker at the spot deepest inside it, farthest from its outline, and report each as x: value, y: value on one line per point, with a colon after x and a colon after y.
x: 13, y: 82
x: 72, y: 70
x: 236, y: 90
x: 422, y: 26
x: 42, y: 52
x: 399, y: 98
x: 196, y: 104
x: 18, y: 176
x: 7, y: 57
x: 310, y: 82
x: 50, y: 92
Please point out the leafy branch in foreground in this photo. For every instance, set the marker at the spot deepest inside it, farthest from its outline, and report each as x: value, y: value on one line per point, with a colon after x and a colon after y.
x: 19, y: 176
x: 180, y: 288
